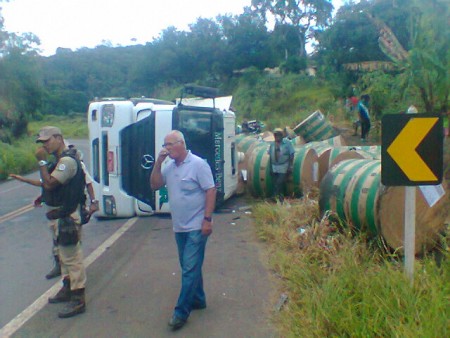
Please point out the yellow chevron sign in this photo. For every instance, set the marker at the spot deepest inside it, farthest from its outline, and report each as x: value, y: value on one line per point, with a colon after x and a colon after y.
x: 412, y: 149
x: 403, y: 149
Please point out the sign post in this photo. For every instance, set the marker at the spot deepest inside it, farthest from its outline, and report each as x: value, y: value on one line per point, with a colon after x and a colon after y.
x: 411, y: 155
x: 410, y: 231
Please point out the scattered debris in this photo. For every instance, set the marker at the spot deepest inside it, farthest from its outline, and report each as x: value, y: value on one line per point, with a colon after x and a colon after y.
x: 244, y: 208
x: 248, y: 212
x: 281, y: 301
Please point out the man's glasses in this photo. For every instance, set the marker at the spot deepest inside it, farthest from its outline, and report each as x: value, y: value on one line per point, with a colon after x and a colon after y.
x: 170, y: 144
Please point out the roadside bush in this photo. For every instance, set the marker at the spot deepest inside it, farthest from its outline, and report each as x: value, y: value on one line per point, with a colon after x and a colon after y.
x: 17, y: 158
x: 283, y: 100
x: 340, y: 285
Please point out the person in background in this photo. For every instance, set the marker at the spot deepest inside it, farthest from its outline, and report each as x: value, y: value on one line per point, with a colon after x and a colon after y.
x: 411, y: 110
x: 353, y: 102
x: 192, y: 196
x: 364, y: 116
x: 281, y: 154
x: 446, y: 124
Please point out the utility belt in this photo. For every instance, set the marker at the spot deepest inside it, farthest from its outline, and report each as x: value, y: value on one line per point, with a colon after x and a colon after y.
x: 68, y: 233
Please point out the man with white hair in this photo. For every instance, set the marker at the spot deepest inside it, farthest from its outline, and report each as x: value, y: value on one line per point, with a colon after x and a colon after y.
x: 192, y: 197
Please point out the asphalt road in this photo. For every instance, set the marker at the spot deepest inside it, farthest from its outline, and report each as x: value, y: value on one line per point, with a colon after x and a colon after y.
x: 25, y: 245
x: 133, y: 276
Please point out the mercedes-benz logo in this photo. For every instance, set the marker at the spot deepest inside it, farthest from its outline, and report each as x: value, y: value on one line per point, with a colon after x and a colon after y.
x: 147, y: 161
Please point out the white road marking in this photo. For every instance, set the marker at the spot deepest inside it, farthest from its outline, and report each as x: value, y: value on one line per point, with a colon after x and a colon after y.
x: 15, y: 187
x: 16, y: 323
x: 16, y: 213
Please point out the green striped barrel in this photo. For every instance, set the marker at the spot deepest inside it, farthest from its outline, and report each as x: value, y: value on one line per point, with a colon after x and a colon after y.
x: 339, y: 154
x: 362, y: 198
x: 297, y: 141
x: 323, y: 150
x: 303, y: 178
x: 305, y: 172
x: 315, y: 128
x: 353, y: 190
x: 430, y: 218
x: 243, y: 142
x: 259, y: 180
x: 372, y: 152
x: 334, y: 185
x: 336, y: 141
x: 336, y: 151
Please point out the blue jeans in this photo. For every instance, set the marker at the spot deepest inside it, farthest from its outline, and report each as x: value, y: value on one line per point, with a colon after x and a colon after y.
x: 191, y: 253
x: 279, y: 184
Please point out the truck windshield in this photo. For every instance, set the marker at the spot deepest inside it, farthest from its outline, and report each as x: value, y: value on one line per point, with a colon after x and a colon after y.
x: 194, y: 122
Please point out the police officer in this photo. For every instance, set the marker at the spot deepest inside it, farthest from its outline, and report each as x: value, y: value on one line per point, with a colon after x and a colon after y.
x: 93, y: 207
x: 66, y: 186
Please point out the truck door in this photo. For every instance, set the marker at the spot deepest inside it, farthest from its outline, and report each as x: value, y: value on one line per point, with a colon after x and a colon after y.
x: 203, y: 131
x: 138, y: 157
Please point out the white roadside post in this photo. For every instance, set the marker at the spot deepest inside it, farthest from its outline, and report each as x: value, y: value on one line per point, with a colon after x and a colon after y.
x: 410, y: 231
x: 403, y: 140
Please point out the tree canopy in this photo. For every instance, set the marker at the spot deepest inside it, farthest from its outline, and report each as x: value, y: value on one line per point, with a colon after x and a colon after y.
x: 394, y: 50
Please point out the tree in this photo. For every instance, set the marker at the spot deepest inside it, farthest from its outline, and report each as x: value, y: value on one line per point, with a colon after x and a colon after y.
x: 304, y: 15
x: 20, y: 87
x: 247, y: 41
x: 427, y: 67
x: 413, y: 35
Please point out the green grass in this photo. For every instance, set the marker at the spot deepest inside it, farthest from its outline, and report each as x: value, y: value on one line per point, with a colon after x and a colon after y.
x: 18, y: 157
x: 282, y: 100
x: 340, y: 285
x: 72, y: 125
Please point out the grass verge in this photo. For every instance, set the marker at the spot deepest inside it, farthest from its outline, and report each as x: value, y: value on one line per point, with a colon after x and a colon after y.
x: 18, y: 157
x: 340, y: 285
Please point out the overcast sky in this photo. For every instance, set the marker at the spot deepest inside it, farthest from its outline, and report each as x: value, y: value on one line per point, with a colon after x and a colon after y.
x: 86, y: 23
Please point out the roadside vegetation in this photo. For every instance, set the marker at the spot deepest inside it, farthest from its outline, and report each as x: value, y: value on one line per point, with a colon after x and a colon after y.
x: 18, y: 156
x: 339, y: 284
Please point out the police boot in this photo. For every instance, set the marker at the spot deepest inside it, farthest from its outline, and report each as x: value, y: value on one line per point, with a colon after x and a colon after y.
x: 56, y: 271
x: 63, y: 294
x: 76, y: 305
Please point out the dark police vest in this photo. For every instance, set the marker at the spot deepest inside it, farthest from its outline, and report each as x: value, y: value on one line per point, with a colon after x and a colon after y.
x: 70, y: 195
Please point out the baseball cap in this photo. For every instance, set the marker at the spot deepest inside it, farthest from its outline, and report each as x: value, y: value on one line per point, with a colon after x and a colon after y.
x: 278, y: 131
x: 46, y: 132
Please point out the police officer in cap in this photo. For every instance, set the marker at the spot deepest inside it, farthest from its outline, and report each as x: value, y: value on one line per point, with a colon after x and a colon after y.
x: 65, y: 185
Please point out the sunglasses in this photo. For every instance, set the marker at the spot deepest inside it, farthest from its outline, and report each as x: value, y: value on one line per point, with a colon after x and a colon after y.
x: 170, y: 144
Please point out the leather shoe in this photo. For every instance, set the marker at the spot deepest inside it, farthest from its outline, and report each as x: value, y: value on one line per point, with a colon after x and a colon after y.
x: 198, y: 306
x: 176, y: 323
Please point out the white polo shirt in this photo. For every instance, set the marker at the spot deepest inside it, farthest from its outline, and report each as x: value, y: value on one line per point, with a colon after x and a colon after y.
x: 186, y: 185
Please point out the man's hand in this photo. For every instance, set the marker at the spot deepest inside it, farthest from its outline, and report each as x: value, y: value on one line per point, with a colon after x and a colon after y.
x: 38, y: 202
x: 206, y: 228
x: 41, y: 154
x: 17, y: 177
x: 93, y: 208
x: 162, y: 156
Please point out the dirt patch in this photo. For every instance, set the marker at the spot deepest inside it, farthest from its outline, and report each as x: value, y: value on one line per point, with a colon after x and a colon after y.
x: 348, y: 133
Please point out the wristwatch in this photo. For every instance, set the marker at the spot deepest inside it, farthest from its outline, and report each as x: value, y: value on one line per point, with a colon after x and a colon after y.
x: 94, y: 201
x: 209, y: 219
x: 42, y: 163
